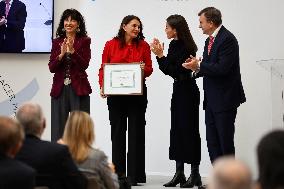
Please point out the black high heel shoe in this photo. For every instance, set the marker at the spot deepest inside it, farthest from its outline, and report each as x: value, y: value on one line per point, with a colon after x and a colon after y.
x: 193, y: 180
x: 123, y: 182
x: 179, y: 178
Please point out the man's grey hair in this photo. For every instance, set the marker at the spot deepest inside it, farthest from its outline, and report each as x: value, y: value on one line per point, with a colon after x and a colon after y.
x: 31, y: 118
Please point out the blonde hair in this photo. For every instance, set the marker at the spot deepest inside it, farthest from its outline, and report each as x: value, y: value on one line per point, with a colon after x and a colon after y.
x: 79, y: 135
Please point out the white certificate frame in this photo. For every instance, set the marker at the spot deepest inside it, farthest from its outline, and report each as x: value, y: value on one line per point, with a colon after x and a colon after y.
x: 123, y: 79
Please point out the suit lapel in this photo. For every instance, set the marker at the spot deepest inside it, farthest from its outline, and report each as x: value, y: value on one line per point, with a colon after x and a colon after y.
x: 2, y: 8
x: 76, y: 43
x: 217, y: 41
x: 12, y: 7
x: 205, y: 51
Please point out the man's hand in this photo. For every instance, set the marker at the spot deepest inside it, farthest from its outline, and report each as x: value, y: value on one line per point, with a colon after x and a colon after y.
x: 192, y: 63
x: 3, y: 21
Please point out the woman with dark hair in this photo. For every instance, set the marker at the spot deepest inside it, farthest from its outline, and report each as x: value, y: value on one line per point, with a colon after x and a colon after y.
x: 69, y: 59
x: 128, y: 47
x: 185, y: 142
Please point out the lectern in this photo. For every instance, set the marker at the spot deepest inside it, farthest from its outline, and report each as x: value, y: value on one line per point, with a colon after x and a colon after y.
x: 276, y: 69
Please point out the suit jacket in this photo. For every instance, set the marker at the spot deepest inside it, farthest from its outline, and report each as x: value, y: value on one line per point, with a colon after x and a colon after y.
x: 53, y: 163
x: 15, y: 174
x: 220, y: 69
x: 79, y: 63
x: 12, y: 34
x: 97, y: 162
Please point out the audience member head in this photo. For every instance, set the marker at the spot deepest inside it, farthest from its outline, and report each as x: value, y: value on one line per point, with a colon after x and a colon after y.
x: 229, y: 173
x: 79, y: 135
x: 31, y: 118
x: 11, y: 136
x: 130, y: 29
x: 210, y: 18
x: 177, y: 25
x: 73, y: 15
x: 270, y: 155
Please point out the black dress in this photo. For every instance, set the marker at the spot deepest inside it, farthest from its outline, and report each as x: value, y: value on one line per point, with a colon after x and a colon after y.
x: 185, y: 143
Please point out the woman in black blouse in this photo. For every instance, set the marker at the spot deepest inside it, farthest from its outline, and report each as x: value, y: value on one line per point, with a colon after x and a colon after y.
x: 185, y: 143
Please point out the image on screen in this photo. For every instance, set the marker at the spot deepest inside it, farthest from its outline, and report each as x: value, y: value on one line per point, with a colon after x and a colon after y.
x: 26, y: 26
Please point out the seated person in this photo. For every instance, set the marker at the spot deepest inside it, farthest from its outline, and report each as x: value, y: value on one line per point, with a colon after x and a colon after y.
x: 229, y: 173
x: 79, y: 137
x: 270, y: 155
x: 53, y: 162
x: 13, y: 174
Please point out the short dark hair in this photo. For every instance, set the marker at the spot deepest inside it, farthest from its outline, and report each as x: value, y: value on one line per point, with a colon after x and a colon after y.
x: 212, y: 15
x: 11, y: 134
x: 75, y: 15
x: 270, y: 154
x: 121, y: 33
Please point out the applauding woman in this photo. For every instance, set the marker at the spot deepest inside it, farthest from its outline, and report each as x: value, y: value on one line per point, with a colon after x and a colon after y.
x: 69, y: 59
x: 185, y: 143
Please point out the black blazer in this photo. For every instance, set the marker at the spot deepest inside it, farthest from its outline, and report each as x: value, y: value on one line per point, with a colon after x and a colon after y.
x: 14, y: 31
x: 53, y: 163
x: 15, y: 174
x: 222, y: 83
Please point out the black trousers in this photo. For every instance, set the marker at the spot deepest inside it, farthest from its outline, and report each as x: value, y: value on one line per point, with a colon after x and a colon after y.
x: 220, y: 130
x: 127, y: 113
x: 67, y: 102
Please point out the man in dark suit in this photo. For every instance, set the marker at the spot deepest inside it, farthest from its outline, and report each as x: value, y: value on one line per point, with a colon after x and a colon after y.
x: 13, y: 174
x: 53, y: 163
x: 13, y: 16
x: 223, y: 90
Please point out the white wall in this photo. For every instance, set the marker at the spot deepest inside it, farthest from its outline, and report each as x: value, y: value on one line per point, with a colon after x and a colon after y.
x: 256, y: 25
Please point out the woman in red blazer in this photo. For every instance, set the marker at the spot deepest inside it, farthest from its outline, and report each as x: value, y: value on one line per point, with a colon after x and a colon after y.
x: 69, y: 59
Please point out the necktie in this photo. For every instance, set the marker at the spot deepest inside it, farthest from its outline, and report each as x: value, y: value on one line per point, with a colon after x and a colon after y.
x: 211, y: 40
x: 7, y: 8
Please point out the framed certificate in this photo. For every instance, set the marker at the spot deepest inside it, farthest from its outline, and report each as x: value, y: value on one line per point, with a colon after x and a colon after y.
x: 123, y: 79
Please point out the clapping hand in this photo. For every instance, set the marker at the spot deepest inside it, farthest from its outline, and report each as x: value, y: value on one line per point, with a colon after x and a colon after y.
x: 3, y: 21
x: 63, y: 49
x: 157, y: 48
x: 66, y: 47
x: 69, y: 45
x: 192, y: 63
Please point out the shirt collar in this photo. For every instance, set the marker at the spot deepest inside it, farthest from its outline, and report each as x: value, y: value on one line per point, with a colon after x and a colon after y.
x: 10, y: 3
x: 214, y: 34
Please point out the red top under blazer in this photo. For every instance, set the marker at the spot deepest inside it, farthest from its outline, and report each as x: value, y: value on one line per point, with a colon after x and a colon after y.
x: 80, y: 62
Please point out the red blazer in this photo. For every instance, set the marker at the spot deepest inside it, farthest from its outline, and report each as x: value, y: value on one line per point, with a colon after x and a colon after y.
x: 80, y: 62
